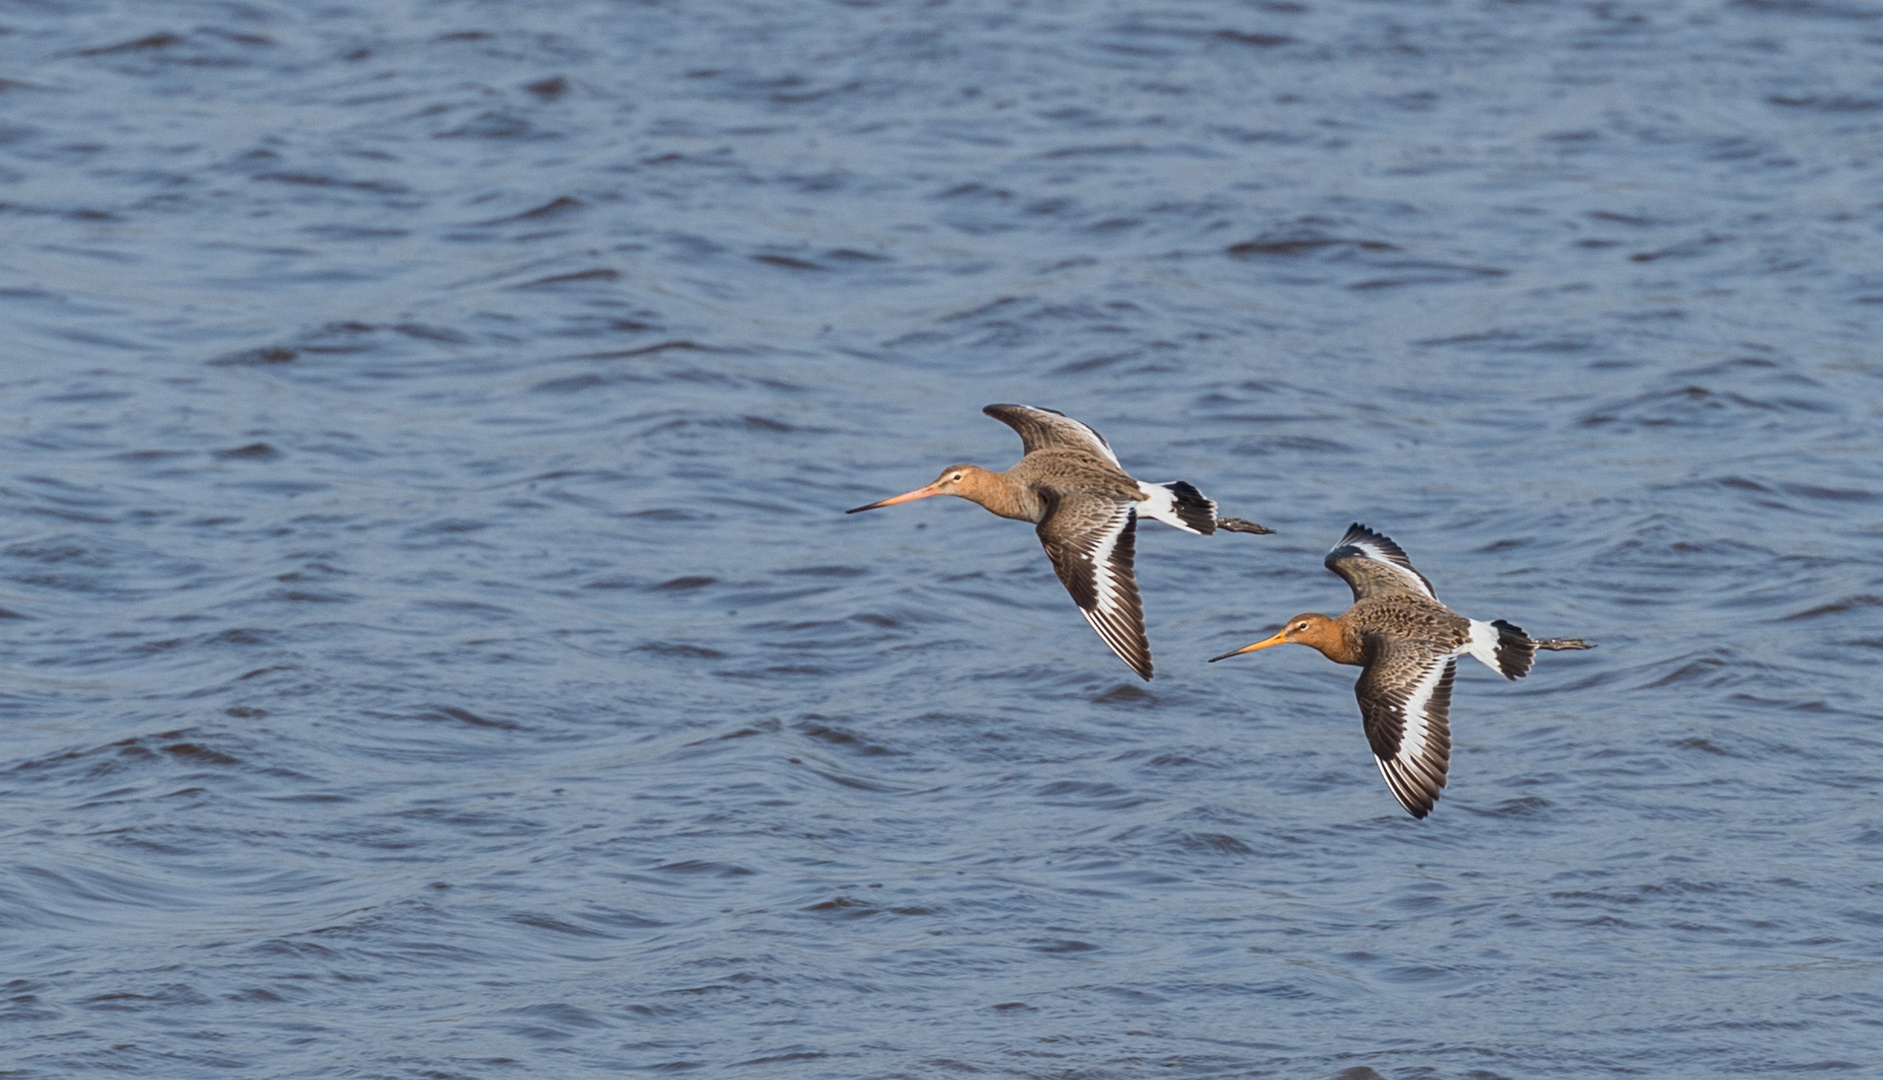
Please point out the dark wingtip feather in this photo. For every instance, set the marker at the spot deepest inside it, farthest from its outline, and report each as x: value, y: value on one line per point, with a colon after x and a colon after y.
x: 1358, y: 532
x: 1414, y: 795
x: 1362, y: 543
x: 990, y: 409
x: 1126, y: 639
x: 1515, y: 651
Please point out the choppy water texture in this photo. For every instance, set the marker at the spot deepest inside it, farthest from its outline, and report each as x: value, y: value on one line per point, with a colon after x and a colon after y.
x: 433, y: 647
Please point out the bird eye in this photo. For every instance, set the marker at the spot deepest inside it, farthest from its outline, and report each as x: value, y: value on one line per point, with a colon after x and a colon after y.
x: 956, y: 478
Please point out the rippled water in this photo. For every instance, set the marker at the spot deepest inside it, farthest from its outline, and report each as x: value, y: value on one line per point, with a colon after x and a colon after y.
x: 433, y: 647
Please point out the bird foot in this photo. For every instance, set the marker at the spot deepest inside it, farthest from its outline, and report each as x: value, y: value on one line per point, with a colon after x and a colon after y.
x: 1242, y: 526
x: 1561, y: 644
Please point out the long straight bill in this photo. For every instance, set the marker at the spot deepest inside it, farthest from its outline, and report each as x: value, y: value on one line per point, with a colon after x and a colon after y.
x: 907, y: 496
x: 1278, y: 639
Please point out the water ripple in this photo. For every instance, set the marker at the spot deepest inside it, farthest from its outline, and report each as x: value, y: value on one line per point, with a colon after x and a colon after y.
x: 434, y: 645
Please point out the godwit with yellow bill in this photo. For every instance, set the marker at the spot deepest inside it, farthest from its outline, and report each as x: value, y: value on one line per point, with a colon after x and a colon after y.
x: 1408, y: 645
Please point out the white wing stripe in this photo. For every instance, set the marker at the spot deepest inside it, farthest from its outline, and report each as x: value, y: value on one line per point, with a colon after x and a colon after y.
x: 1418, y: 727
x: 1413, y: 714
x: 1105, y: 582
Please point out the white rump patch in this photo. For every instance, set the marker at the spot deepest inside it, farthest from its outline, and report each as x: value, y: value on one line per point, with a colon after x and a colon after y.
x: 1483, y: 645
x: 1161, y: 503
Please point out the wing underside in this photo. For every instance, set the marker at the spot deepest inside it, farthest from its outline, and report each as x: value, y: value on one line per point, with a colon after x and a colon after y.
x: 1372, y: 565
x: 1044, y: 429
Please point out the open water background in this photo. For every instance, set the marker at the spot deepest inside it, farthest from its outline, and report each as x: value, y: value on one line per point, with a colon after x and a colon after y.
x: 432, y: 647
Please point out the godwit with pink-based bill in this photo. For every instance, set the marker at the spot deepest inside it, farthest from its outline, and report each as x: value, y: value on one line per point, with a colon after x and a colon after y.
x: 1086, y: 507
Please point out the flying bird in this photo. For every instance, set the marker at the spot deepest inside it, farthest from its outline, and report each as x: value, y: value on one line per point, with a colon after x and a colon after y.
x: 1086, y: 507
x: 1408, y: 645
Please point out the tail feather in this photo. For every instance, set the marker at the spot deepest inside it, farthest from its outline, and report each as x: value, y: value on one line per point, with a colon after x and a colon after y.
x: 1515, y: 651
x: 1197, y: 512
x: 1502, y: 647
x: 1179, y: 504
x: 1507, y: 650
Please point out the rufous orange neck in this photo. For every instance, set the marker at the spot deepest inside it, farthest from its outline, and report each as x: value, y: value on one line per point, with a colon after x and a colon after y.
x: 1333, y: 638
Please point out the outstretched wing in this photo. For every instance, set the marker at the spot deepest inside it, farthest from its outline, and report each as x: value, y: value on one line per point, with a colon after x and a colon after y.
x: 1405, y: 704
x: 1375, y: 566
x: 1091, y: 541
x: 1044, y: 429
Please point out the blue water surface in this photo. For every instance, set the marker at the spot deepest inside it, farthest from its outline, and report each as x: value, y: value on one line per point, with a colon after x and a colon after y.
x: 433, y: 647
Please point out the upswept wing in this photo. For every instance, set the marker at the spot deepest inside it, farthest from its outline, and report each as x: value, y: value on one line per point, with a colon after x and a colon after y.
x: 1044, y: 429
x: 1405, y: 704
x: 1092, y: 541
x: 1375, y: 566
